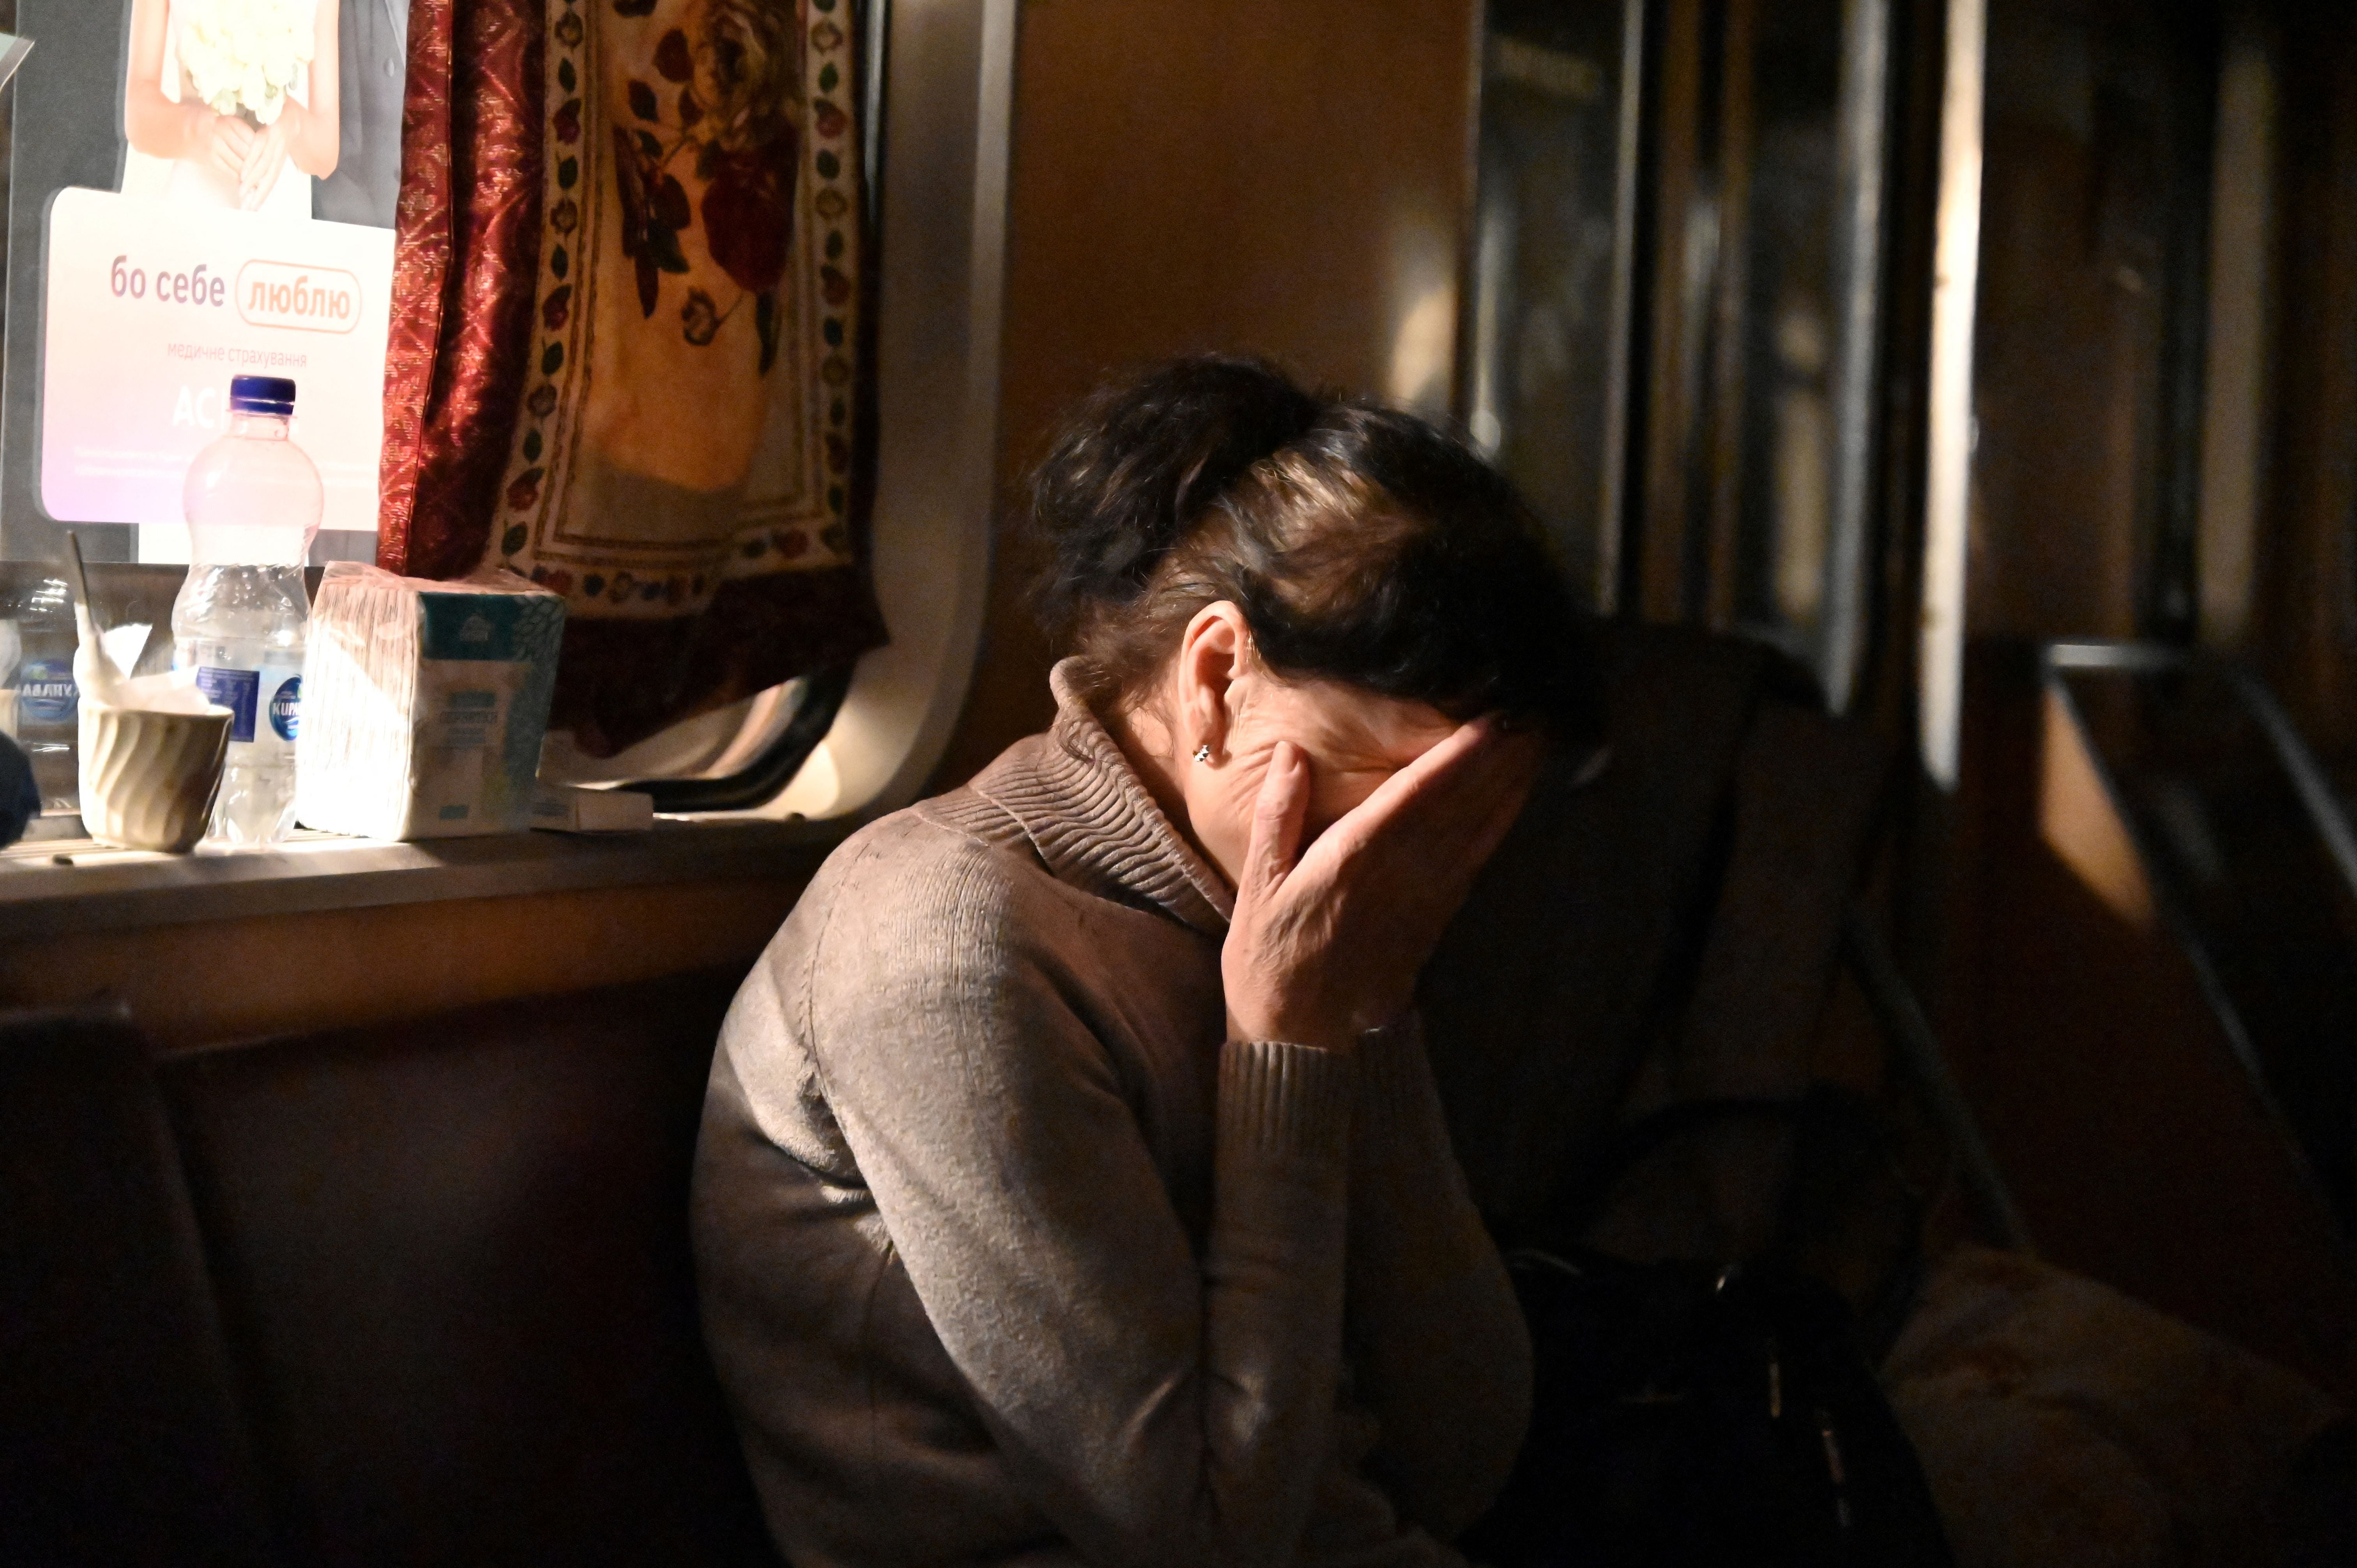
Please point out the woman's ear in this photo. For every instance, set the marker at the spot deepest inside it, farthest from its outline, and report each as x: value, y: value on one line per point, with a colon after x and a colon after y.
x: 1214, y: 655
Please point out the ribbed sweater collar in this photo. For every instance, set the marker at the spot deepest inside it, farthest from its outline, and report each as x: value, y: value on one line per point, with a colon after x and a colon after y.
x: 1093, y: 821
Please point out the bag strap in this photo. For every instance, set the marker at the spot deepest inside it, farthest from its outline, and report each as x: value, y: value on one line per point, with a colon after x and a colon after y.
x: 1628, y: 1147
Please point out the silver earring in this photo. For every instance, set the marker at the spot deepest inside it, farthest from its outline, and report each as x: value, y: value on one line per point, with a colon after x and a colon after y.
x: 1203, y: 752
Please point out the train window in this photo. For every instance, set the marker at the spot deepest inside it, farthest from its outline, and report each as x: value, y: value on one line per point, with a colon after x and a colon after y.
x: 134, y: 264
x: 1552, y: 267
x: 1674, y: 321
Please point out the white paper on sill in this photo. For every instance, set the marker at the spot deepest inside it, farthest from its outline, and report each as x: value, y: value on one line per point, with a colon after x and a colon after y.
x: 576, y: 809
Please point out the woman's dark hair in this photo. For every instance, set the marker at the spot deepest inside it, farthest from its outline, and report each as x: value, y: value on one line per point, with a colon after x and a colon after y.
x: 1363, y: 545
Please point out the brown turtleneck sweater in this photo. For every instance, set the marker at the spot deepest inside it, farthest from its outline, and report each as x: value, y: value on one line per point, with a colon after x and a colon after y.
x: 1008, y: 1258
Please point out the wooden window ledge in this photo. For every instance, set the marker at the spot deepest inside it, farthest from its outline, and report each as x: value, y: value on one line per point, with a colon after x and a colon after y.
x: 63, y: 886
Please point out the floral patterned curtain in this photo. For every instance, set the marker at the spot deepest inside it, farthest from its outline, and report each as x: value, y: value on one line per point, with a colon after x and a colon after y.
x: 627, y: 358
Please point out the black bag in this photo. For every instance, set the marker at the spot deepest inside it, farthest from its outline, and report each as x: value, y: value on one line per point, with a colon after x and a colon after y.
x: 1697, y: 1413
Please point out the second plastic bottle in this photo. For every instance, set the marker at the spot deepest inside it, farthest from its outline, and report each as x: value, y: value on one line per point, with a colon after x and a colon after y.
x: 253, y: 500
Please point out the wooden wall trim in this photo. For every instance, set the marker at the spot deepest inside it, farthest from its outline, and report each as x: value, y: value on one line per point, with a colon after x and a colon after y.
x: 216, y: 981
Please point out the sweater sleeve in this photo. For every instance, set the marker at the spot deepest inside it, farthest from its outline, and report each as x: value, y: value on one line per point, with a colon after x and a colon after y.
x: 1158, y: 1408
x: 1438, y: 1343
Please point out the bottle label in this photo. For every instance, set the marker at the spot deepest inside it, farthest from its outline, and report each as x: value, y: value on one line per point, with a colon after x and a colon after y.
x: 236, y: 689
x: 285, y: 704
x: 45, y: 693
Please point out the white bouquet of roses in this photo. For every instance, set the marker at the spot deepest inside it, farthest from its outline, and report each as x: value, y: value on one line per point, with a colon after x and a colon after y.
x: 243, y: 54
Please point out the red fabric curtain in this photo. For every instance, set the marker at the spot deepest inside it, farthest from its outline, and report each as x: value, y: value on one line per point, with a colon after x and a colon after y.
x: 466, y: 261
x: 629, y: 347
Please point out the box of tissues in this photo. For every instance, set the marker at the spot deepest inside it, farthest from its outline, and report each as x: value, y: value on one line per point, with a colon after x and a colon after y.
x: 424, y: 703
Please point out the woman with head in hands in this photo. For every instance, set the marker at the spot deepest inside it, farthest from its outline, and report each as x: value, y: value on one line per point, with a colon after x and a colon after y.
x: 1072, y: 1185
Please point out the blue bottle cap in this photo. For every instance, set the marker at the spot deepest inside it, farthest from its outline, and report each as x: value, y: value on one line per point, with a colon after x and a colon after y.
x: 261, y: 394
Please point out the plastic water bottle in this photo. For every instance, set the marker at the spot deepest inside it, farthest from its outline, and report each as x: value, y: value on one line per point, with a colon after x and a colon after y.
x: 252, y: 501
x: 38, y: 699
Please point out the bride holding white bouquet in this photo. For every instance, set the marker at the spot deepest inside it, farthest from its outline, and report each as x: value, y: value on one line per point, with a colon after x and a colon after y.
x: 221, y: 96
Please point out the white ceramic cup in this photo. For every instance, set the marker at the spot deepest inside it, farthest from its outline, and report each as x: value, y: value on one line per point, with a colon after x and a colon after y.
x: 148, y: 778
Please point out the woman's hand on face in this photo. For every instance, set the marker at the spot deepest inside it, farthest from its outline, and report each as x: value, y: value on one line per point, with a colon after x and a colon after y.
x: 225, y: 142
x: 1328, y: 942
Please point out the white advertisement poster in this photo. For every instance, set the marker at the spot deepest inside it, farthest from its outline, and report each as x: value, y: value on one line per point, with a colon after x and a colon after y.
x: 153, y: 304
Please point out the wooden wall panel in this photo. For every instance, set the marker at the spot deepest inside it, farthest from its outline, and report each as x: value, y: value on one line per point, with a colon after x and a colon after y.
x: 2137, y: 1147
x: 2306, y: 636
x: 205, y: 982
x: 2085, y: 111
x: 1288, y: 180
